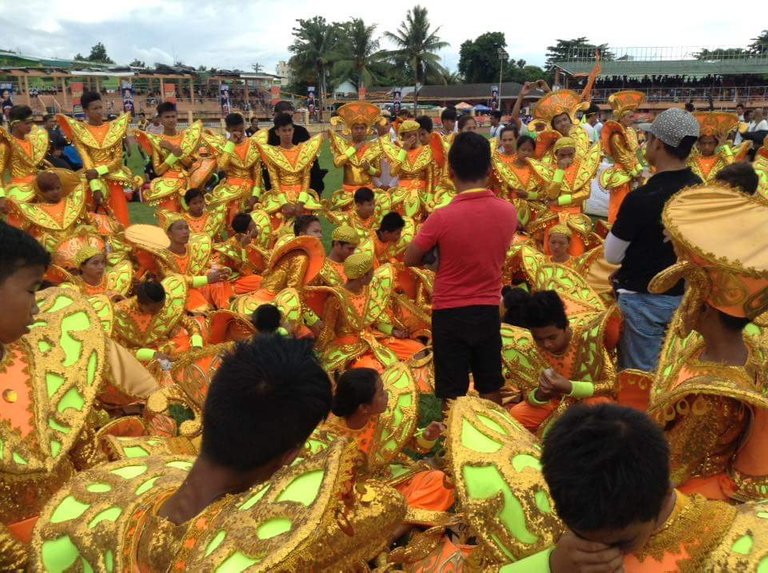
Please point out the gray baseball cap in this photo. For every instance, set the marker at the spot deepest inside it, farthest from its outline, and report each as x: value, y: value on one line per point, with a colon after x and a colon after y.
x: 672, y: 125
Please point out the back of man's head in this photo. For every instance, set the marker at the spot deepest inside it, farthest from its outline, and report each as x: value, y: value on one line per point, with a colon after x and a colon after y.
x: 283, y: 107
x: 265, y: 400
x: 741, y: 176
x: 606, y: 467
x: 470, y: 157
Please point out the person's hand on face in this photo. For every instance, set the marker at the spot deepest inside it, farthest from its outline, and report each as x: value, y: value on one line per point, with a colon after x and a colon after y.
x: 575, y: 555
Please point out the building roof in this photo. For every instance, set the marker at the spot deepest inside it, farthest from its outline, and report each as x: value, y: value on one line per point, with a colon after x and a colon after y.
x: 468, y: 91
x: 690, y: 68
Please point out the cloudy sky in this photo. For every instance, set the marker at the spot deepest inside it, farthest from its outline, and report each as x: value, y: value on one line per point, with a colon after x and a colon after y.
x: 234, y: 34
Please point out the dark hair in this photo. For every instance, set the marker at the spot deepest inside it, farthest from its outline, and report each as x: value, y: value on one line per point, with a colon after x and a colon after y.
x: 364, y: 195
x: 732, y: 323
x: 741, y: 105
x: 241, y: 222
x: 689, y: 107
x: 392, y: 221
x: 449, y: 113
x: 508, y: 128
x: 283, y: 107
x: 741, y: 175
x: 404, y: 114
x: 425, y: 123
x: 266, y: 318
x: 282, y: 120
x: 20, y: 113
x: 150, y: 291
x: 192, y: 194
x: 592, y: 109
x: 470, y: 156
x: 88, y: 98
x: 48, y: 116
x: 19, y: 251
x: 165, y: 107
x: 495, y: 114
x: 523, y: 139
x: 464, y: 120
x: 265, y: 399
x: 515, y: 302
x: 683, y: 150
x: 593, y: 457
x: 354, y: 388
x: 234, y: 119
x: 545, y: 308
x: 302, y: 223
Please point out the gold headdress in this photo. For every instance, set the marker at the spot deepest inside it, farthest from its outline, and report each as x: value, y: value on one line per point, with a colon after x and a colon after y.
x: 357, y: 265
x: 561, y: 229
x: 625, y: 102
x: 86, y: 253
x: 408, y: 126
x: 169, y: 219
x: 718, y: 236
x: 716, y: 123
x: 564, y: 142
x: 556, y: 103
x: 346, y: 234
x: 357, y: 112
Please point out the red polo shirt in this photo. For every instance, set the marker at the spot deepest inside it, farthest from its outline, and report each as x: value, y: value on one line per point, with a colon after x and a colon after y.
x: 473, y: 234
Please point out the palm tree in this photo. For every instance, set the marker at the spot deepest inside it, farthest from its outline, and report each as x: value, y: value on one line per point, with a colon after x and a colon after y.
x: 416, y: 46
x: 357, y: 57
x: 312, y: 48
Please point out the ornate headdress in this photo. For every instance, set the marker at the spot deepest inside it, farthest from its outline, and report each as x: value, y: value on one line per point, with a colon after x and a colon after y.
x: 561, y: 229
x: 408, y: 126
x: 564, y: 142
x: 85, y: 253
x: 718, y: 236
x: 717, y: 123
x: 556, y: 103
x: 169, y: 219
x: 357, y: 112
x: 357, y: 265
x: 346, y: 234
x: 625, y: 102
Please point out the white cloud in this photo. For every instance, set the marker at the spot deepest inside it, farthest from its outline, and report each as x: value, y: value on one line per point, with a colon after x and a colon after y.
x: 236, y: 33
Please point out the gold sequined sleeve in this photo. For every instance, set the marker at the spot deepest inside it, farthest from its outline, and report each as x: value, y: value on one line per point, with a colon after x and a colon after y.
x: 622, y: 154
x: 13, y: 555
x: 704, y: 435
x: 128, y: 374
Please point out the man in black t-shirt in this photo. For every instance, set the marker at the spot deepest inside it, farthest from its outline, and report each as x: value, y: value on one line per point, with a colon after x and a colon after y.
x: 638, y: 243
x: 300, y: 134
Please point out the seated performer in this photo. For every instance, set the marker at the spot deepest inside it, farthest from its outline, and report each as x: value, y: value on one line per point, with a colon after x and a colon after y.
x: 712, y: 151
x: 360, y: 158
x: 558, y: 243
x: 200, y: 217
x: 591, y: 458
x: 363, y: 401
x: 387, y: 241
x: 92, y: 275
x: 571, y: 360
x: 555, y: 115
x: 59, y: 375
x: 709, y: 394
x: 368, y: 210
x: 153, y: 325
x: 245, y: 501
x: 100, y: 146
x: 241, y: 254
x: 173, y: 154
x: 21, y: 153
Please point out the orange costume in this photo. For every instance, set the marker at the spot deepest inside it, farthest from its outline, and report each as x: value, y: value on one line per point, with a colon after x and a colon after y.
x: 241, y: 164
x: 20, y: 158
x: 415, y: 170
x: 532, y: 177
x: 716, y: 124
x: 352, y: 156
x: 174, y: 176
x: 101, y: 148
x: 382, y: 441
x: 545, y: 111
x: 715, y: 414
x: 620, y: 144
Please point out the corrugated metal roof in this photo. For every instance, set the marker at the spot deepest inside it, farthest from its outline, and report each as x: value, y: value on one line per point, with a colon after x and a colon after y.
x: 691, y: 68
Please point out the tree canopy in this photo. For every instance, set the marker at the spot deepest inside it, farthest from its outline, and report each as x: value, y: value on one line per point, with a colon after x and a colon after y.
x: 480, y: 59
x: 98, y: 55
x: 576, y: 49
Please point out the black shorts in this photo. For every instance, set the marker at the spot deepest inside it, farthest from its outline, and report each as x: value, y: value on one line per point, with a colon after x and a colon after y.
x: 466, y: 339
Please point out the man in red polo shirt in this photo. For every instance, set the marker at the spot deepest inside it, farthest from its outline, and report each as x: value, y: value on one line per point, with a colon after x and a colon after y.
x: 471, y: 237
